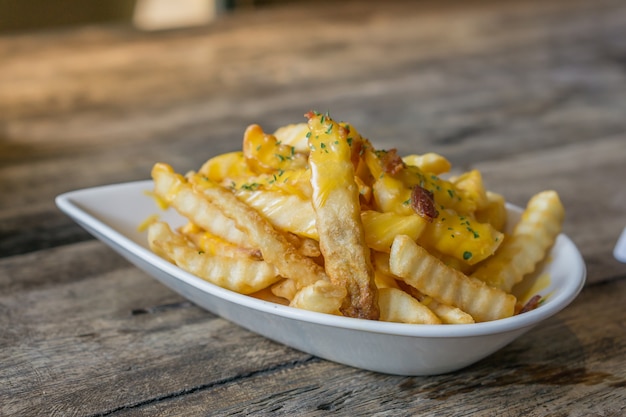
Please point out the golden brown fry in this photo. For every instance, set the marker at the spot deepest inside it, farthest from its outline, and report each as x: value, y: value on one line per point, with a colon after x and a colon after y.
x: 287, y: 289
x: 531, y: 239
x: 322, y: 296
x: 226, y: 167
x: 214, y: 245
x: 265, y: 154
x: 418, y: 268
x: 274, y: 246
x: 470, y: 186
x: 494, y: 211
x: 296, y: 182
x: 174, y: 189
x: 294, y: 135
x: 380, y: 261
x: 384, y: 280
x: 286, y: 212
x: 242, y: 275
x: 431, y: 163
x: 398, y: 306
x: 307, y: 247
x: 307, y: 217
x: 159, y: 231
x: 338, y: 218
x: 381, y: 228
x: 447, y: 314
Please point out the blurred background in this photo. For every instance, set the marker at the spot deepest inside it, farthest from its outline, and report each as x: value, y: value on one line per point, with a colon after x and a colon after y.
x: 29, y: 15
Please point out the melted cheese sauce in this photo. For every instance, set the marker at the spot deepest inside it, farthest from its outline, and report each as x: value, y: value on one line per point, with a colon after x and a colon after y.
x: 534, y: 287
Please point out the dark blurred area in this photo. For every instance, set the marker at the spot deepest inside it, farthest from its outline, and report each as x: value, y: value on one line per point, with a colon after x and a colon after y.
x: 29, y: 15
x: 33, y: 15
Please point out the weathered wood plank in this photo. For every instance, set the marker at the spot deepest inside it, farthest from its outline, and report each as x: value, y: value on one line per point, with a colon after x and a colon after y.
x: 524, y: 65
x: 543, y: 92
x: 114, y: 338
x: 116, y: 323
x: 61, y: 265
x: 568, y: 359
x: 532, y: 93
x: 36, y: 228
x: 564, y: 360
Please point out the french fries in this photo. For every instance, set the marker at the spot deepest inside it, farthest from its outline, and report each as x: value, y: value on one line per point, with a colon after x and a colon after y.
x: 338, y: 216
x: 419, y: 269
x: 532, y: 237
x: 273, y: 245
x: 400, y: 307
x: 314, y: 217
x: 243, y: 275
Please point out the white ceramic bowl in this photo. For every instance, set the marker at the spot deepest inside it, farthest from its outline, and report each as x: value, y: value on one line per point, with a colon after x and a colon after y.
x: 112, y: 214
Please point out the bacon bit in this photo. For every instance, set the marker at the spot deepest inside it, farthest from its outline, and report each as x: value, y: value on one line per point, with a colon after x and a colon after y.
x: 392, y: 162
x: 423, y: 202
x: 530, y: 304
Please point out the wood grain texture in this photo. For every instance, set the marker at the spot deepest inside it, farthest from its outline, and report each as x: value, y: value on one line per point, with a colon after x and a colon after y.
x: 174, y: 358
x: 532, y: 93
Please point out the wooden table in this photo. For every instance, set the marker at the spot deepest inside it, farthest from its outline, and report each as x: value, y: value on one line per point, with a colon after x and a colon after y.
x: 532, y: 93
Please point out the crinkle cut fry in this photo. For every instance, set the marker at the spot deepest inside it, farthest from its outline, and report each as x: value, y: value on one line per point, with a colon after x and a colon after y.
x: 322, y: 296
x: 274, y: 246
x: 418, y: 268
x: 243, y: 275
x: 338, y: 216
x: 286, y: 212
x: 448, y: 314
x: 400, y: 307
x: 531, y: 238
x: 174, y: 189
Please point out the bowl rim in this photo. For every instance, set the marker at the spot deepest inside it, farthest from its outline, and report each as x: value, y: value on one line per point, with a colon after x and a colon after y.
x: 557, y: 303
x: 72, y: 204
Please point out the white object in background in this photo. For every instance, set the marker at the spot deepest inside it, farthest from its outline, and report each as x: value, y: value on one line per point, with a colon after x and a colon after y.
x: 620, y: 247
x: 168, y: 14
